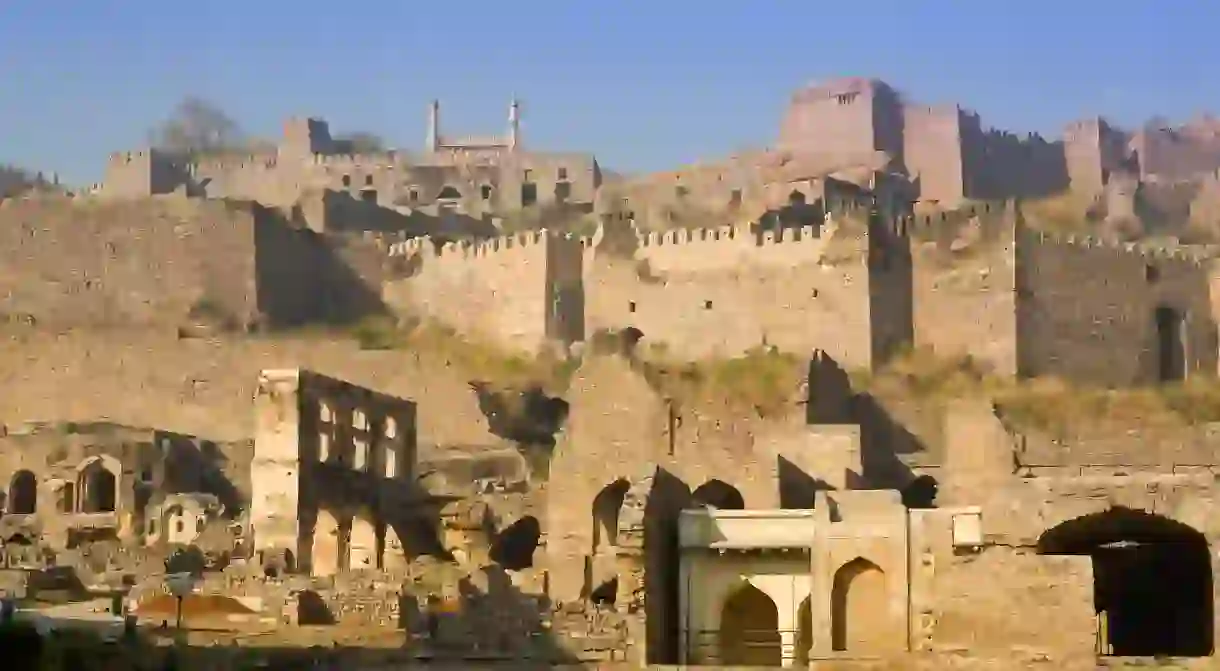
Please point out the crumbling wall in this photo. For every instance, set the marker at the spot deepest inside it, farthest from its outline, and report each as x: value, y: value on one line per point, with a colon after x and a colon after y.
x: 964, y: 264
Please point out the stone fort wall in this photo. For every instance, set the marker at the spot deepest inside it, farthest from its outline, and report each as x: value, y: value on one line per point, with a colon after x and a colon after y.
x: 170, y: 261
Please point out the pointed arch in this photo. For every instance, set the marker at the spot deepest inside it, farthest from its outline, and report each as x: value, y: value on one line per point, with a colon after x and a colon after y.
x: 749, y: 629
x: 606, y: 508
x: 97, y: 484
x: 857, y: 596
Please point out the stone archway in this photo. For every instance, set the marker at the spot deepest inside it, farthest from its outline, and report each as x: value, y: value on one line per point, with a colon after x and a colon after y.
x: 718, y: 494
x: 324, y: 555
x: 606, y: 507
x: 22, y: 493
x: 749, y: 629
x: 97, y: 484
x: 363, y: 545
x: 857, y: 597
x: 1152, y: 581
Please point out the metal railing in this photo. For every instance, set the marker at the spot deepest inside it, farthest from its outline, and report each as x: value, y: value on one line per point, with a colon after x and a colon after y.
x: 742, y: 647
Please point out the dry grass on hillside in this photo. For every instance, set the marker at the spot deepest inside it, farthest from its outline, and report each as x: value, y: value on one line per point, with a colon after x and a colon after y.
x: 485, y: 361
x: 1046, y: 403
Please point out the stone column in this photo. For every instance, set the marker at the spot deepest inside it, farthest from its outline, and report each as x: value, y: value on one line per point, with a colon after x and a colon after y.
x: 787, y: 647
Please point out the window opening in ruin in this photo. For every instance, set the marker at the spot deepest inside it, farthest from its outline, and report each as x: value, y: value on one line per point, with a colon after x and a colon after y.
x: 146, y: 474
x: 179, y: 525
x: 1151, y: 274
x: 514, y: 546
x: 563, y: 191
x: 1171, y: 345
x: 323, y: 446
x: 631, y: 306
x: 369, y: 195
x: 413, y: 196
x: 796, y: 198
x: 23, y: 493
x: 681, y: 191
x: 97, y: 488
x: 606, y: 508
x: 846, y: 98
x: 735, y: 198
x: 361, y: 450
x: 856, y: 596
x: 562, y: 174
x: 449, y: 193
x: 199, y: 525
x: 324, y: 412
x: 707, y: 305
x: 527, y: 175
x: 718, y: 494
x: 347, y: 180
x: 391, y: 463
x: 368, y: 180
x: 1152, y: 581
x: 360, y: 420
x: 749, y: 629
x: 529, y: 194
x: 391, y: 427
x: 485, y: 192
x: 152, y: 527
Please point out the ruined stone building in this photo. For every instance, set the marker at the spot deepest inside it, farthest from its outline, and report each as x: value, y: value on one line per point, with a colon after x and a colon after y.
x: 473, y: 175
x: 72, y: 483
x: 332, y: 474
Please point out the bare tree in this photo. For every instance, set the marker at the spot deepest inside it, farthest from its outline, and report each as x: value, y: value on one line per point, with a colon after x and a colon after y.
x: 15, y: 181
x: 199, y: 127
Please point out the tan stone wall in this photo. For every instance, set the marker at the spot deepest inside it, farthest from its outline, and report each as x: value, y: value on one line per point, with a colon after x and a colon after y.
x: 1087, y: 309
x: 126, y: 263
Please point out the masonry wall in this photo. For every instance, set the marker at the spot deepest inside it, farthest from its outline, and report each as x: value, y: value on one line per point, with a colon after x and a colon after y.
x: 126, y: 262
x: 497, y: 290
x: 932, y: 147
x: 964, y: 285
x: 725, y: 291
x: 1087, y: 309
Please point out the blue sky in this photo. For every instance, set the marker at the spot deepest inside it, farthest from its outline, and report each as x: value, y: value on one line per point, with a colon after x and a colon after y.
x: 644, y: 84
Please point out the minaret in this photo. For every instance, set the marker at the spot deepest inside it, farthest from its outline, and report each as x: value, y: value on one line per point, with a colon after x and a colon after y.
x: 514, y: 124
x: 433, y: 143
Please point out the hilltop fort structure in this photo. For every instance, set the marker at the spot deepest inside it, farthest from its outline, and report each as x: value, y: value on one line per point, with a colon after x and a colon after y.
x: 609, y: 517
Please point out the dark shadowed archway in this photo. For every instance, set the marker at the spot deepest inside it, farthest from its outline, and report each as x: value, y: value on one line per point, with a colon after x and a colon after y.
x: 718, y: 494
x: 23, y: 493
x: 514, y: 546
x: 606, y: 508
x: 1152, y: 581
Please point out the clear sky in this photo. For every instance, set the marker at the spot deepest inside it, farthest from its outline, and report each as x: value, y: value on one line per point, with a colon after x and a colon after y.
x: 645, y: 84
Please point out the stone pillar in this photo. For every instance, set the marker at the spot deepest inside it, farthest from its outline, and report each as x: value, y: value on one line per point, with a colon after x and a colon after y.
x: 787, y: 647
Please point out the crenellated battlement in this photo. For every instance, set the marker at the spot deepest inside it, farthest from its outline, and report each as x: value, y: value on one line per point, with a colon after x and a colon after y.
x: 384, y: 159
x: 1194, y: 254
x: 482, y: 248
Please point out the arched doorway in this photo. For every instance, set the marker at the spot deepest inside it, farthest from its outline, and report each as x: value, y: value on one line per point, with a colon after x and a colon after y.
x: 23, y: 493
x: 1152, y: 581
x: 98, y: 488
x: 749, y: 629
x: 606, y: 507
x: 324, y: 555
x: 857, y: 604
x: 176, y: 528
x: 363, y: 544
x: 718, y: 494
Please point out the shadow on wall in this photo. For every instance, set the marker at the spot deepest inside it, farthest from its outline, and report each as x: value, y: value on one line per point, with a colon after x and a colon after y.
x: 304, y: 278
x: 883, y: 439
x: 200, y: 466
